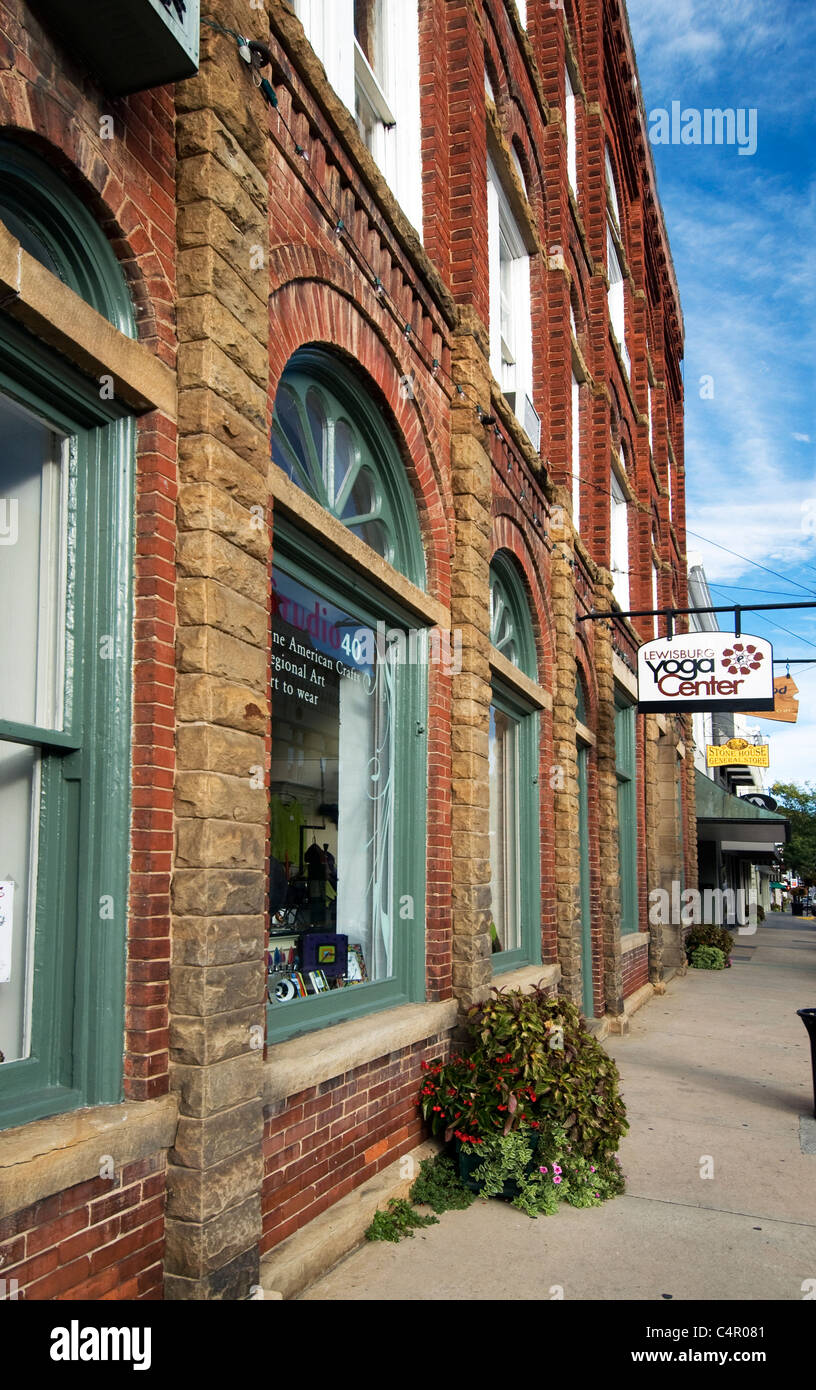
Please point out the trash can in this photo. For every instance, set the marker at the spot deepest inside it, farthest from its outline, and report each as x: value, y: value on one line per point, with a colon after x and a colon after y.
x: 796, y: 907
x: 808, y: 1017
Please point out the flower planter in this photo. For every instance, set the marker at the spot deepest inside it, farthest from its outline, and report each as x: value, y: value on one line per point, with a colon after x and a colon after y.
x: 468, y: 1169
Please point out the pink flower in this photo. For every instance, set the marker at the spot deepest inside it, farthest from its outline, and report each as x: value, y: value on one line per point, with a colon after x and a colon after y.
x: 592, y: 1170
x: 597, y: 1194
x: 556, y: 1168
x: 556, y: 1178
x: 542, y: 1170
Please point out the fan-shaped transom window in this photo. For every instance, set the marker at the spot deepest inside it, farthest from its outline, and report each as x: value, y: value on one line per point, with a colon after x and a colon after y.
x: 331, y: 440
x: 54, y: 227
x: 511, y: 630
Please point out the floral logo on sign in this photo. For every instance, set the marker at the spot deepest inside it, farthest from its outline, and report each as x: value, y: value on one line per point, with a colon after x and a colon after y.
x: 741, y: 658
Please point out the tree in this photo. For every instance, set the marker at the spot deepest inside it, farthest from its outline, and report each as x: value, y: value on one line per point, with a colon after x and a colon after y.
x: 799, y: 805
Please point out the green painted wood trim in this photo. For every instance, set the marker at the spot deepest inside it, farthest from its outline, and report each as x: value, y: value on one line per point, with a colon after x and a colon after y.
x: 529, y: 848
x: 511, y: 627
x: 310, y: 565
x: 346, y: 396
x: 45, y: 205
x: 587, y: 992
x: 79, y: 955
x: 626, y: 769
x: 13, y: 732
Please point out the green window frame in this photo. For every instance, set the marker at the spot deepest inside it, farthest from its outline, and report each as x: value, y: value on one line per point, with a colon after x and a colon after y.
x: 54, y: 227
x: 626, y: 774
x: 329, y: 436
x: 511, y: 634
x: 331, y: 441
x: 307, y: 563
x: 79, y: 930
x: 587, y: 987
x: 77, y: 1010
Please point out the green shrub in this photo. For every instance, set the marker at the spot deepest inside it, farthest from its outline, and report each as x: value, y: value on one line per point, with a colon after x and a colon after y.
x: 709, y: 936
x: 540, y: 1169
x: 440, y: 1187
x: 532, y: 1064
x: 760, y: 912
x: 398, y: 1220
x: 708, y: 958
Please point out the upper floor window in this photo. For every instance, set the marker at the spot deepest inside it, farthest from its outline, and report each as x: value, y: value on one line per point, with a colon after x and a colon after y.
x: 612, y: 203
x: 370, y: 49
x: 576, y: 452
x: 572, y: 141
x: 511, y: 330
x: 619, y: 541
x: 616, y: 300
x: 649, y: 415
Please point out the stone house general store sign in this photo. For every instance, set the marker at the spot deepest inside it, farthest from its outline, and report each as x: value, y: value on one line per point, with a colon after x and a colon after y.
x: 705, y: 671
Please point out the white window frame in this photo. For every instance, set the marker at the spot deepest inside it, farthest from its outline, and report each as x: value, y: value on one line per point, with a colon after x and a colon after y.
x: 511, y: 354
x: 616, y: 295
x: 619, y: 541
x: 655, y: 598
x: 612, y: 190
x: 576, y: 451
x: 649, y: 413
x: 385, y: 103
x: 572, y: 139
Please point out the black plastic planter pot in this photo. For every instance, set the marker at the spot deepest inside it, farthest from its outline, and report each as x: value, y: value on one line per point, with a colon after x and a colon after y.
x: 808, y: 1017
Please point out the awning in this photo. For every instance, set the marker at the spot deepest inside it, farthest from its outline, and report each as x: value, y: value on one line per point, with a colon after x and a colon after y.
x: 737, y: 826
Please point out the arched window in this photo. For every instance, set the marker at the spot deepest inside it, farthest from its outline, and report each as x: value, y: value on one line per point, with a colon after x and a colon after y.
x: 66, y: 506
x: 349, y: 702
x: 54, y: 227
x: 329, y: 439
x: 511, y: 630
x: 513, y: 777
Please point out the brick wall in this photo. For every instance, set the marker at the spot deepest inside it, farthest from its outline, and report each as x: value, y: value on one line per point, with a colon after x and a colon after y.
x: 635, y: 969
x: 97, y: 1240
x: 327, y: 1140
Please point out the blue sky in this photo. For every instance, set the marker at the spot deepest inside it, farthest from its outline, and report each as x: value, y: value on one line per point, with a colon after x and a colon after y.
x: 743, y: 235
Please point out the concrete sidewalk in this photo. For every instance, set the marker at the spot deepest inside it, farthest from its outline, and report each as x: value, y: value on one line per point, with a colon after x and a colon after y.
x: 716, y: 1069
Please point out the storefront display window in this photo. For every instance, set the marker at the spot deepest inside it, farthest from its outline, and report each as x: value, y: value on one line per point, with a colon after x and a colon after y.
x: 332, y: 797
x: 349, y: 699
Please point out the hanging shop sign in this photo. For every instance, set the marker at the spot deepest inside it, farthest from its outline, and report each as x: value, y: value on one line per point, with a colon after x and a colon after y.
x: 766, y: 803
x: 737, y: 752
x: 705, y: 671
x: 786, y: 706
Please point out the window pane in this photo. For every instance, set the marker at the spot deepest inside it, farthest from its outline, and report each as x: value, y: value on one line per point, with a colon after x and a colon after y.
x: 331, y: 798
x: 19, y: 799
x: 504, y: 831
x: 32, y: 568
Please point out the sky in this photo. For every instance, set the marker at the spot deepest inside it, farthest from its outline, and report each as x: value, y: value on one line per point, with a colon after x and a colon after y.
x: 742, y: 229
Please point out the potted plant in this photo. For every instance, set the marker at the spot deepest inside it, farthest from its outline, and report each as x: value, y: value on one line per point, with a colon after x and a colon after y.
x: 532, y: 1106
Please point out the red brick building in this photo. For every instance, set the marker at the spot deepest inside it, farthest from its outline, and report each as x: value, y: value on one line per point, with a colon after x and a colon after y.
x: 366, y: 346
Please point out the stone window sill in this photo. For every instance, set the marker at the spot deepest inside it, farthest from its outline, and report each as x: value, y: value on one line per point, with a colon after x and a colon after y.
x: 301, y: 1063
x: 48, y: 1156
x: 632, y: 939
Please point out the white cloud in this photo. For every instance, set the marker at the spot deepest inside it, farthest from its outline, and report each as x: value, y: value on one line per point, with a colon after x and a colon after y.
x: 801, y: 438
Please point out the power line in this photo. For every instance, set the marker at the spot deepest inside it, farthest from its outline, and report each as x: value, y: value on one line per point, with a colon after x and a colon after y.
x: 737, y: 556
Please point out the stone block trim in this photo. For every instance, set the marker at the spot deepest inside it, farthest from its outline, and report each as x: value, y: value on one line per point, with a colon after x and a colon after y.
x: 96, y: 1240
x: 218, y: 973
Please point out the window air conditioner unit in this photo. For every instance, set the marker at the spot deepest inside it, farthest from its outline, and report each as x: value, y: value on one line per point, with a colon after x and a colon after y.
x: 129, y: 45
x: 528, y: 419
